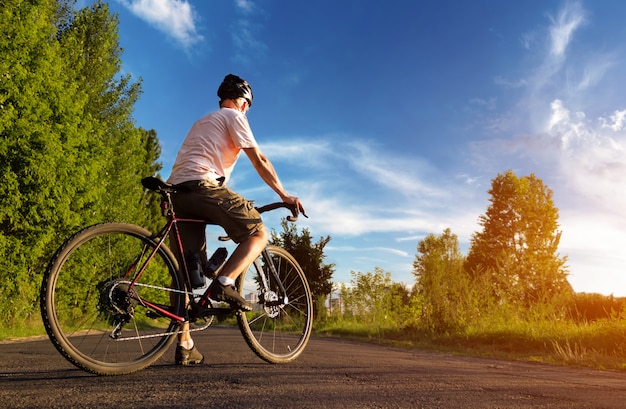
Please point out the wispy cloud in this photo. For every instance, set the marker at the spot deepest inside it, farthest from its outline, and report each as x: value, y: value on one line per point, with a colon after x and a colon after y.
x: 248, y: 47
x: 246, y: 41
x: 396, y: 193
x: 569, y: 19
x: 406, y: 176
x: 371, y: 249
x: 246, y: 6
x: 554, y: 41
x: 175, y: 18
x: 595, y: 71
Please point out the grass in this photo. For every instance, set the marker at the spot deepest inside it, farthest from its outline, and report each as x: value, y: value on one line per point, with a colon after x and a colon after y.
x: 22, y: 330
x: 599, y: 345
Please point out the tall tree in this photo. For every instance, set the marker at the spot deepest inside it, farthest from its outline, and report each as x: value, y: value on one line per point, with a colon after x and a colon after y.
x: 442, y: 284
x: 90, y: 43
x: 517, y: 248
x: 310, y: 256
x: 368, y: 296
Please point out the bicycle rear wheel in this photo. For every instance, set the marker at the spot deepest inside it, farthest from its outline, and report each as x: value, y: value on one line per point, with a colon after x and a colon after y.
x: 92, y: 313
x: 277, y: 330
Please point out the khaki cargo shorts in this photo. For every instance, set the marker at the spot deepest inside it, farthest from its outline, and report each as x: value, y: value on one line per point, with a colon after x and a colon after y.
x: 217, y: 204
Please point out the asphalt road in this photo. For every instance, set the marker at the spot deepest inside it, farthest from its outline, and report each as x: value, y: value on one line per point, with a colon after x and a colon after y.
x: 330, y: 374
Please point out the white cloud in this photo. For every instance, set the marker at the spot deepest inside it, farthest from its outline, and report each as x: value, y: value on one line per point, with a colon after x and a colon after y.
x: 248, y: 46
x: 357, y: 188
x: 570, y: 18
x: 489, y: 104
x: 542, y: 77
x: 567, y: 128
x: 300, y: 151
x: 594, y: 72
x: 406, y: 175
x: 518, y: 83
x: 592, y: 157
x: 617, y: 121
x: 370, y: 249
x: 245, y: 5
x: 173, y: 17
x: 409, y: 176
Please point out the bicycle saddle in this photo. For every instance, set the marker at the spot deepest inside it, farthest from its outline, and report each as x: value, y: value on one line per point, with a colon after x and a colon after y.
x: 157, y: 185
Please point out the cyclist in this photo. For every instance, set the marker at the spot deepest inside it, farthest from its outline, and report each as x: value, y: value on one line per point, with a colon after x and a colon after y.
x: 202, y: 169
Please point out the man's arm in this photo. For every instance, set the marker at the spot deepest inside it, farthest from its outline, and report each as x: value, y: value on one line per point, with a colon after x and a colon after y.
x: 265, y: 169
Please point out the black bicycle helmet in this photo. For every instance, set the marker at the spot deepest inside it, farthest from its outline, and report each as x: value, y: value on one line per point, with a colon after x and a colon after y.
x: 234, y: 87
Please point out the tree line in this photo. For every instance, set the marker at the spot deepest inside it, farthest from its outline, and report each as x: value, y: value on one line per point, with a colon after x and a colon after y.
x: 70, y: 152
x: 512, y: 272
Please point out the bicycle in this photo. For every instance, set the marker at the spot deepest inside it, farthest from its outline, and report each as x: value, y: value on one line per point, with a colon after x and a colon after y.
x: 138, y: 296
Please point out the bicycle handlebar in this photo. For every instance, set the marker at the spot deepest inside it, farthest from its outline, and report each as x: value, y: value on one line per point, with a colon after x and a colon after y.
x: 277, y: 205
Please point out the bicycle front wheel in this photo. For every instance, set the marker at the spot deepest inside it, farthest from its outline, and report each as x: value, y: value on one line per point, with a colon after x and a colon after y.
x: 279, y: 326
x: 95, y: 307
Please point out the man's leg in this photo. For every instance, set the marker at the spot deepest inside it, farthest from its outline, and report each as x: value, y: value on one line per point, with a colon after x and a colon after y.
x: 223, y: 287
x: 193, y: 236
x: 245, y: 253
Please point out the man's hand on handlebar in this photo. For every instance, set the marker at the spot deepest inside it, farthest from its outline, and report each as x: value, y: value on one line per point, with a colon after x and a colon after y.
x: 294, y: 201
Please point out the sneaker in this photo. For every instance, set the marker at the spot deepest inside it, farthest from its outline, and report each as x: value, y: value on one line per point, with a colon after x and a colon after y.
x: 186, y: 356
x: 229, y: 294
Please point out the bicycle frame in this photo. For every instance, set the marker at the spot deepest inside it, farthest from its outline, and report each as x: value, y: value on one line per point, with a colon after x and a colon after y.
x: 172, y: 226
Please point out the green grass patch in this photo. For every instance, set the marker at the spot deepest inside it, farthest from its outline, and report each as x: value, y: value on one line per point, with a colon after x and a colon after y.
x: 24, y: 329
x: 599, y: 345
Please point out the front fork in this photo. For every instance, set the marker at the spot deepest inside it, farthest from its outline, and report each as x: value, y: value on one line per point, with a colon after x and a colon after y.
x: 273, y: 300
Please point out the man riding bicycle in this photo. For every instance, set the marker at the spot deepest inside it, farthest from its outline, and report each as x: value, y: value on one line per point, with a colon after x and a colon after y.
x: 202, y: 169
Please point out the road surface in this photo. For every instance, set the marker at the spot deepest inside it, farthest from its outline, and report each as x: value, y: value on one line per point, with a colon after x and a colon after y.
x: 330, y: 374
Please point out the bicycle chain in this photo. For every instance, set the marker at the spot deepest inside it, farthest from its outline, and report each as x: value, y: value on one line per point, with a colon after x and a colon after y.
x: 201, y: 328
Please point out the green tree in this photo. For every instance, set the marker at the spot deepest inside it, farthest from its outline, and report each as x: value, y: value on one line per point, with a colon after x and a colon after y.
x: 442, y: 286
x: 70, y: 154
x: 41, y: 127
x: 517, y: 248
x: 311, y: 257
x: 150, y: 209
x: 375, y: 300
x: 90, y: 45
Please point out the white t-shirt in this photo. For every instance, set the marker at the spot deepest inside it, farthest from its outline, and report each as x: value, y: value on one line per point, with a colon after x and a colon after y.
x: 212, y: 147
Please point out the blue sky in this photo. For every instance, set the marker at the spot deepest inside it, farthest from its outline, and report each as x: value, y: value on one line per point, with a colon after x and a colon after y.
x: 390, y: 119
